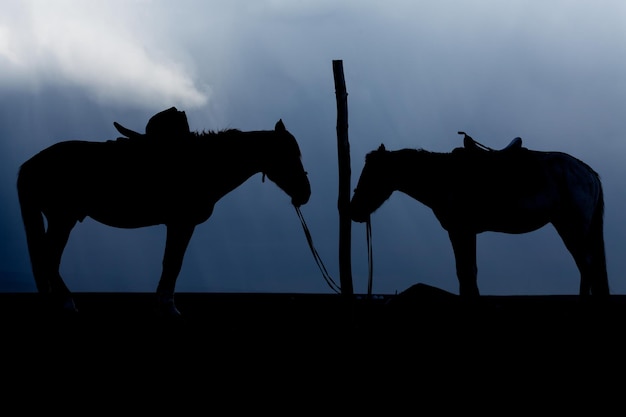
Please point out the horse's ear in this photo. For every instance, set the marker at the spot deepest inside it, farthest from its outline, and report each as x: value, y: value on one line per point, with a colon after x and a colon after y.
x: 381, y: 147
x: 280, y: 126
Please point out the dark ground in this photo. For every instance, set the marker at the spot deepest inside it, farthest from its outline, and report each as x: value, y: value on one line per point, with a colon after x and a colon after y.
x: 423, y: 344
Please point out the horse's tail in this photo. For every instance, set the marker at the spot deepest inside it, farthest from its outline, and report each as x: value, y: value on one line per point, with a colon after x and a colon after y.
x: 33, y: 225
x: 600, y: 283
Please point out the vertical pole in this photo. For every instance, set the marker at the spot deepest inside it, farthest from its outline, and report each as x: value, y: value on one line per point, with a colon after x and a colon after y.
x: 343, y: 201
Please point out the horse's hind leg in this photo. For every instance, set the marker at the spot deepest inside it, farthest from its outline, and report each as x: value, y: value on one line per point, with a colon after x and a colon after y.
x: 56, y: 238
x: 587, y: 249
x: 464, y: 246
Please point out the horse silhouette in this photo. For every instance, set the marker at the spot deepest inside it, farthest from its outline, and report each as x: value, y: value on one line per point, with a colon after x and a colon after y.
x: 515, y: 190
x: 138, y: 182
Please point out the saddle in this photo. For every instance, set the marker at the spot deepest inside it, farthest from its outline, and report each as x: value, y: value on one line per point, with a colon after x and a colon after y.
x: 165, y: 126
x: 470, y: 144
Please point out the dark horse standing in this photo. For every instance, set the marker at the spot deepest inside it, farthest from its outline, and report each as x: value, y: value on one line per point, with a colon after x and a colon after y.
x: 131, y: 183
x: 513, y: 190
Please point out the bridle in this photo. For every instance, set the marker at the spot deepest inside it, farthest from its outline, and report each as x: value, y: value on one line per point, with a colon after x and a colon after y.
x: 318, y: 260
x: 329, y: 280
x: 370, y: 259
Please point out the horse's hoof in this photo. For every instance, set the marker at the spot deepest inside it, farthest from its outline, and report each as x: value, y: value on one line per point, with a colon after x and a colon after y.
x: 170, y: 312
x: 69, y: 306
x: 61, y: 304
x: 167, y: 309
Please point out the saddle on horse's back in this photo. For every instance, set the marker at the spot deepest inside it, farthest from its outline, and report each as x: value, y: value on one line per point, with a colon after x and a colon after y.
x: 165, y: 126
x: 471, y: 144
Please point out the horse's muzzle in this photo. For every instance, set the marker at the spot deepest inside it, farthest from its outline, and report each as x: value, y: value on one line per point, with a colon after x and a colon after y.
x: 359, y: 217
x: 302, y: 197
x: 301, y: 200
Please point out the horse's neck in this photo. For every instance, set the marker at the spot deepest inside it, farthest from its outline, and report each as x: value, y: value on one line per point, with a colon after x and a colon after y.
x: 419, y: 174
x: 242, y: 155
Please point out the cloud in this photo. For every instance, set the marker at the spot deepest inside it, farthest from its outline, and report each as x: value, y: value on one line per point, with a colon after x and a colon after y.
x: 91, y: 45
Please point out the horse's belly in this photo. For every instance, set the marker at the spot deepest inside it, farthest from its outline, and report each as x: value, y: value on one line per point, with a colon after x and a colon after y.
x: 149, y: 212
x: 128, y: 219
x: 130, y: 207
x: 125, y: 223
x: 512, y: 220
x: 497, y: 216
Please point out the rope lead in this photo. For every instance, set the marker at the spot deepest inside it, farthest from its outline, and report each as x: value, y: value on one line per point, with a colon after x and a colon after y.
x: 329, y: 280
x: 370, y: 261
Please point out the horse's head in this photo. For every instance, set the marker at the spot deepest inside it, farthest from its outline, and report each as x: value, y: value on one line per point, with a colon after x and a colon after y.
x: 284, y: 166
x: 373, y: 187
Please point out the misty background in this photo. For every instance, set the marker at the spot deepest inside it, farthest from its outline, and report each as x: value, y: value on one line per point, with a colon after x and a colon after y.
x: 551, y: 72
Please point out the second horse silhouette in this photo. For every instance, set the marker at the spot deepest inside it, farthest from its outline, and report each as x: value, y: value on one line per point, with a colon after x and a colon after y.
x: 515, y: 190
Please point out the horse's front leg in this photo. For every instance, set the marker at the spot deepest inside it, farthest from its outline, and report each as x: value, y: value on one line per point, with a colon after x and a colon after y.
x: 176, y: 243
x: 464, y: 246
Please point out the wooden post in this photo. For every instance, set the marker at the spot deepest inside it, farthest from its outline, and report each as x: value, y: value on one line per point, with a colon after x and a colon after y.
x: 343, y: 201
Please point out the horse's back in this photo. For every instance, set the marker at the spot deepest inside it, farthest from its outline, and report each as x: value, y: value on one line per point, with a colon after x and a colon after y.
x: 522, y: 168
x: 70, y: 174
x: 123, y: 183
x: 63, y: 163
x: 77, y: 161
x: 520, y: 184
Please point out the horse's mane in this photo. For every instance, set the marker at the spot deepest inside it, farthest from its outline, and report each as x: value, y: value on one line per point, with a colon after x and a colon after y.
x: 405, y: 153
x: 231, y: 132
x: 213, y: 133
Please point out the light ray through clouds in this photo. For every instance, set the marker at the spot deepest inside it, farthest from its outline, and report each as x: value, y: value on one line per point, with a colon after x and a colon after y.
x: 417, y: 72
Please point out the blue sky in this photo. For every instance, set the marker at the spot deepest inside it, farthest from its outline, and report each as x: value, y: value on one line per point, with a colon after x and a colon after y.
x: 552, y: 72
